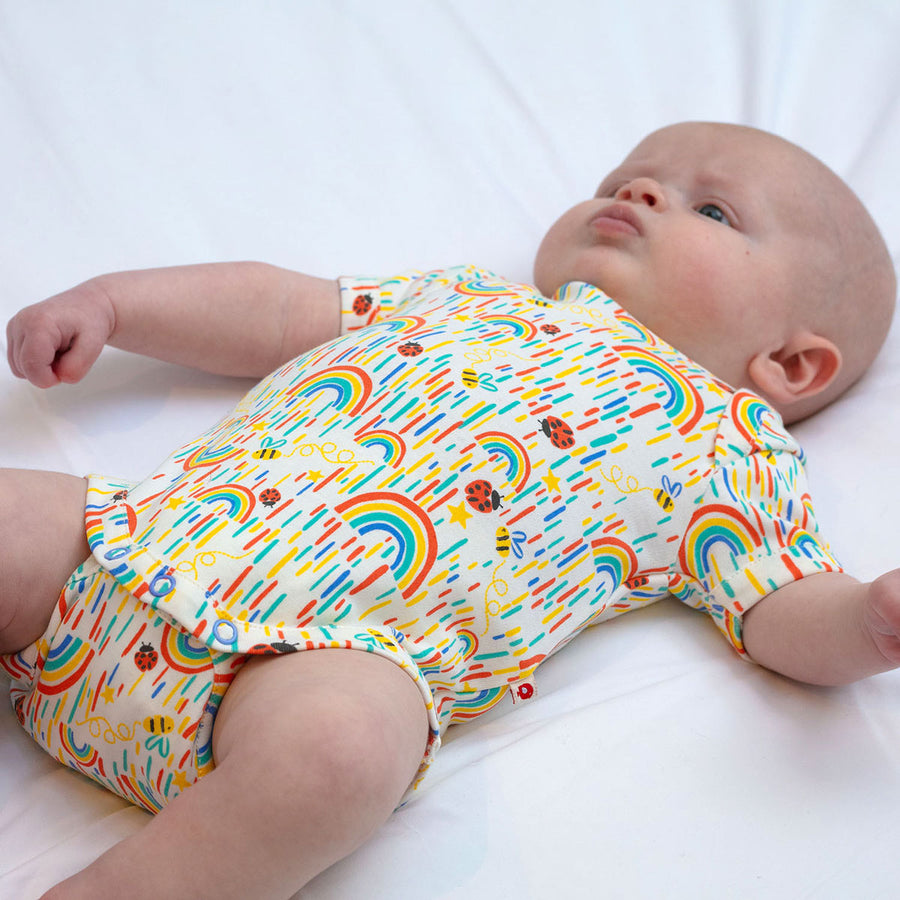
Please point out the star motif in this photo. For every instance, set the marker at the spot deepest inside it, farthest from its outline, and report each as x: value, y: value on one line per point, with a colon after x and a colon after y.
x: 258, y: 426
x: 459, y: 514
x: 315, y: 475
x: 108, y: 694
x: 551, y: 481
x: 179, y: 779
x: 174, y: 502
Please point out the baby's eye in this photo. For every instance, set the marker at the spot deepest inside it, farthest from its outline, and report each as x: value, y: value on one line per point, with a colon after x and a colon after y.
x: 714, y: 212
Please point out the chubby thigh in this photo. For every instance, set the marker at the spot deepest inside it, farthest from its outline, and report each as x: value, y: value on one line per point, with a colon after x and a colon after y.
x: 122, y: 694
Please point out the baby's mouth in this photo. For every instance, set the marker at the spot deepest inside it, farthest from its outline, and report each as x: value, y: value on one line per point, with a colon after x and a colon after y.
x: 617, y: 219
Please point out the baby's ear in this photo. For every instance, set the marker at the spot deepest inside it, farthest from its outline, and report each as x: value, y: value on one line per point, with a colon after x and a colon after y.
x: 802, y: 368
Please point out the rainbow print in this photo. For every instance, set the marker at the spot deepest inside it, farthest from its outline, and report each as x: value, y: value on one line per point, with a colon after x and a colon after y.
x: 239, y: 500
x: 184, y: 653
x: 753, y: 418
x: 351, y: 384
x: 614, y: 562
x: 402, y: 323
x: 518, y: 466
x: 65, y: 664
x: 683, y: 403
x: 469, y: 705
x: 521, y: 328
x: 391, y: 445
x: 480, y: 287
x: 204, y: 456
x: 801, y: 540
x: 84, y: 755
x: 712, y: 529
x: 400, y: 519
x: 465, y: 645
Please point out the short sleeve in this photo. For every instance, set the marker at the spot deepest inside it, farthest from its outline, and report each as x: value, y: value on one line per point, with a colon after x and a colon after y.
x: 754, y: 530
x: 368, y: 300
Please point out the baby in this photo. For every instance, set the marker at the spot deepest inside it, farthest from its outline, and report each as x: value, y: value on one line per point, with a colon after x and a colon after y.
x: 446, y: 477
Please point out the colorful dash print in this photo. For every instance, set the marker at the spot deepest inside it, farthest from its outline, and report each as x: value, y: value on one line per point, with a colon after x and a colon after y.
x: 462, y: 481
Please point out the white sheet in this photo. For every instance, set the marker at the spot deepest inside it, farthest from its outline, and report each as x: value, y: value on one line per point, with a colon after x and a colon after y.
x: 353, y: 137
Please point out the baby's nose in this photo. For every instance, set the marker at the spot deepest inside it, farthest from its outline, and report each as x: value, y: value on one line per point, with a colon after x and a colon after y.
x: 643, y: 190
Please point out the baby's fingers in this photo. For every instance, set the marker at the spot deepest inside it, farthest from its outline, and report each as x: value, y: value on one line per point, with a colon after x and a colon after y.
x: 73, y: 362
x: 31, y: 354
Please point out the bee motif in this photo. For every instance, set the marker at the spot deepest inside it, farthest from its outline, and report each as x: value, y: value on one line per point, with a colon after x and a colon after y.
x: 481, y: 495
x: 470, y: 378
x: 158, y: 724
x: 560, y: 434
x: 146, y: 658
x: 362, y: 304
x: 410, y: 348
x: 270, y: 496
x: 665, y: 495
x: 268, y: 449
x: 504, y: 544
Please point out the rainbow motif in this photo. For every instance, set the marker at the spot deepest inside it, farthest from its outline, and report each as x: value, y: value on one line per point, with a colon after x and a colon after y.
x: 465, y: 644
x: 84, y: 755
x: 683, y: 403
x: 753, y: 418
x: 66, y: 662
x: 204, y: 456
x: 471, y: 704
x: 802, y: 540
x: 182, y: 653
x: 387, y: 442
x: 521, y: 328
x: 480, y: 287
x: 400, y: 519
x: 731, y: 626
x: 239, y: 500
x: 518, y: 466
x: 402, y: 323
x: 614, y: 561
x: 715, y: 528
x: 642, y: 335
x: 351, y: 384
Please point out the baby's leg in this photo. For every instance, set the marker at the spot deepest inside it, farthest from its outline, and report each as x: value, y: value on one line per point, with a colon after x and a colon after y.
x: 313, y: 751
x: 42, y: 541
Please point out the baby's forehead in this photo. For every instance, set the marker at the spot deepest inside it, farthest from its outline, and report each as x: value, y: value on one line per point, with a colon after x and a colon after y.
x: 735, y: 150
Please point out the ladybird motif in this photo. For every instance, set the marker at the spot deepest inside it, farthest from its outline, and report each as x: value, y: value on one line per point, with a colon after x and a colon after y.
x: 146, y: 658
x: 362, y: 304
x: 481, y: 495
x: 550, y: 329
x: 270, y: 496
x: 119, y: 496
x: 559, y: 433
x: 273, y: 649
x: 638, y: 581
x: 410, y: 348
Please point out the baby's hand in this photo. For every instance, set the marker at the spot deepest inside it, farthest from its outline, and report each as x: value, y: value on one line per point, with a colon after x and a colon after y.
x: 58, y: 340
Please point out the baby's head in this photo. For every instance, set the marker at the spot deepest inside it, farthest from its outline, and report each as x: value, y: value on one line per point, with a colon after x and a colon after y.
x: 743, y: 251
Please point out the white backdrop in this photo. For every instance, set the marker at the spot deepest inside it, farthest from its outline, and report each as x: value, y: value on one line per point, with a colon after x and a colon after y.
x: 342, y: 137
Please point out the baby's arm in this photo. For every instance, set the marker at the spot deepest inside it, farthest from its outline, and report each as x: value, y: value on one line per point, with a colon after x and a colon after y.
x: 827, y: 628
x: 241, y: 318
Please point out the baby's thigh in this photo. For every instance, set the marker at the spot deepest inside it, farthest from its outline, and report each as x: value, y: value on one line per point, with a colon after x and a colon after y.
x: 42, y: 541
x: 353, y: 714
